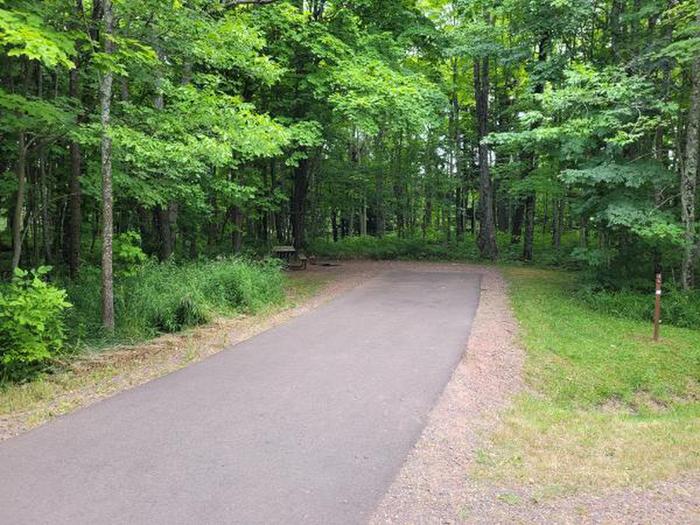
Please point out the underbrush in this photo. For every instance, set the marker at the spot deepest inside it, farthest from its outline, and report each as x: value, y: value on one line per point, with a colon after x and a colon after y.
x: 607, y: 406
x: 162, y: 298
x: 678, y: 308
x: 434, y: 247
x: 31, y: 323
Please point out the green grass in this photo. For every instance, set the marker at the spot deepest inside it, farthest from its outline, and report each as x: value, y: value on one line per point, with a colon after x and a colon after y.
x: 678, y: 308
x: 585, y: 357
x: 166, y: 298
x: 607, y: 406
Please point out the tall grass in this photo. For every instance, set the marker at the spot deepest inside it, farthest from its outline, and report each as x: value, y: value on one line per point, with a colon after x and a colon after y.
x: 677, y: 308
x: 162, y: 298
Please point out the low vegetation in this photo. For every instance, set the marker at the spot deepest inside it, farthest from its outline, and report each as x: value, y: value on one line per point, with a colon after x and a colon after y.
x: 31, y: 323
x: 606, y: 406
x: 164, y: 298
x: 435, y: 247
x: 40, y: 322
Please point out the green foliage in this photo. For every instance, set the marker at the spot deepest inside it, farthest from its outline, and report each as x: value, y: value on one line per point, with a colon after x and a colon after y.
x: 31, y: 322
x: 33, y: 114
x: 389, y: 248
x: 127, y: 253
x: 434, y: 247
x: 678, y: 308
x: 375, y: 97
x: 26, y: 34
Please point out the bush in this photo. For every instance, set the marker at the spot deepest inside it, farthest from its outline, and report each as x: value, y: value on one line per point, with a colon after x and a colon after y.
x: 435, y: 248
x: 31, y: 322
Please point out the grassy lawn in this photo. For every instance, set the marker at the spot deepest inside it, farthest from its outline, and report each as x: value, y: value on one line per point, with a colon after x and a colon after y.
x: 605, y: 406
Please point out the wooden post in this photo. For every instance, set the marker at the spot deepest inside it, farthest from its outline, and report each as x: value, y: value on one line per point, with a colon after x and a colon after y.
x: 657, y: 307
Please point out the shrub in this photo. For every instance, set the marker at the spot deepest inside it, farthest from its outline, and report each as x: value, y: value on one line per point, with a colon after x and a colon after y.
x: 31, y: 322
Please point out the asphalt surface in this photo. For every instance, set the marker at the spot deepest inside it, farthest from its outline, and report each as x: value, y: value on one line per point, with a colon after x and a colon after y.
x: 306, y: 423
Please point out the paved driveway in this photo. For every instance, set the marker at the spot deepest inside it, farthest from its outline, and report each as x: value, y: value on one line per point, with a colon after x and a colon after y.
x: 306, y: 423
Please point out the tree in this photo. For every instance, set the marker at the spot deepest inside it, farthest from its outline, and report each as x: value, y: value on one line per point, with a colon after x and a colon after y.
x: 106, y: 168
x: 689, y: 174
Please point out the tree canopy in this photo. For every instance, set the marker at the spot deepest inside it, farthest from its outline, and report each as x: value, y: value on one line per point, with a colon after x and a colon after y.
x: 197, y: 128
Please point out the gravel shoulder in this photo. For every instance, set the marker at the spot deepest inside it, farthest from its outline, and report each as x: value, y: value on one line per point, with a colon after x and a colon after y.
x: 433, y: 486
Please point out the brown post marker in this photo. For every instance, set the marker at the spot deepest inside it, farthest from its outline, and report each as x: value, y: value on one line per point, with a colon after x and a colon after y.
x: 657, y: 307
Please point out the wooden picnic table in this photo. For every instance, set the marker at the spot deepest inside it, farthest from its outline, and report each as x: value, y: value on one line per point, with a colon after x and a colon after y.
x: 289, y: 253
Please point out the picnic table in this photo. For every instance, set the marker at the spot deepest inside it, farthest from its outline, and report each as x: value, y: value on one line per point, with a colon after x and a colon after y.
x: 289, y: 254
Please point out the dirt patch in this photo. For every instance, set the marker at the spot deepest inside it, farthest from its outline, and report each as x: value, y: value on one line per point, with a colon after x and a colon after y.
x: 100, y: 375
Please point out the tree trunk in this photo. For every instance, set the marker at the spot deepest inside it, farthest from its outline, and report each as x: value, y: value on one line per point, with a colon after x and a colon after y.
x: 298, y: 204
x: 237, y: 229
x: 427, y: 215
x: 379, y: 209
x: 583, y: 232
x: 74, y: 191
x: 455, y: 161
x: 18, y: 219
x: 530, y: 198
x: 45, y: 218
x: 557, y: 223
x: 459, y: 212
x: 529, y: 226
x: 502, y: 214
x: 689, y: 177
x: 363, y: 217
x: 106, y: 168
x: 164, y: 217
x: 545, y: 218
x: 486, y: 240
x: 334, y: 224
x: 516, y: 229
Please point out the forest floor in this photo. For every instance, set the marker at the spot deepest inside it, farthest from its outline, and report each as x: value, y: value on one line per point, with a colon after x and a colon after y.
x: 496, y: 447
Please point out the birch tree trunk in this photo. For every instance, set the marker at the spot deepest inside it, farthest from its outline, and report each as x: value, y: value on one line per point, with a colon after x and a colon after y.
x: 106, y: 162
x: 689, y: 177
x: 74, y: 186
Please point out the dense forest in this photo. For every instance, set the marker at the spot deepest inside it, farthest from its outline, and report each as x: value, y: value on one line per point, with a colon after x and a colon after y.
x: 186, y: 130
